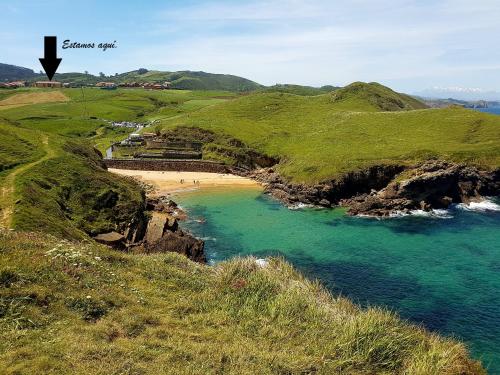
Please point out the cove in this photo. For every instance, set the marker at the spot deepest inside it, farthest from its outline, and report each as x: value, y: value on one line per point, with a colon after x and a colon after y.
x: 443, y: 273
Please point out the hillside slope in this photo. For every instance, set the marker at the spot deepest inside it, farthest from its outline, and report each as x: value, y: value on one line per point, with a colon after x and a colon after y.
x: 71, y: 202
x: 322, y: 137
x: 70, y: 307
x: 374, y: 96
x: 188, y: 80
x: 13, y: 72
x: 80, y: 308
x: 182, y: 80
x: 299, y: 89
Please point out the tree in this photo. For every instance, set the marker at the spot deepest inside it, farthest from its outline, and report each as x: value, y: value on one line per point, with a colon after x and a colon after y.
x: 142, y: 71
x: 102, y: 75
x: 86, y: 72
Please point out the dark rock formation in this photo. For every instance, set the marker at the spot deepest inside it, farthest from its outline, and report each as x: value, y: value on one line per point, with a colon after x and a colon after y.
x: 157, y: 230
x: 327, y: 193
x: 382, y: 190
x: 179, y: 242
x: 433, y: 184
x: 165, y: 205
x: 113, y: 239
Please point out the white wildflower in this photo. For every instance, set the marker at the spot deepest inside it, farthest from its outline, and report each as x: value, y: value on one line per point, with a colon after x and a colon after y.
x: 261, y: 262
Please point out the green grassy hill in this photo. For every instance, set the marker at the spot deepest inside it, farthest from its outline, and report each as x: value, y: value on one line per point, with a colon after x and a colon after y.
x: 13, y: 72
x: 322, y: 137
x: 187, y: 80
x: 300, y: 90
x: 53, y: 180
x: 373, y: 97
x: 183, y: 80
x: 80, y: 308
x: 70, y: 306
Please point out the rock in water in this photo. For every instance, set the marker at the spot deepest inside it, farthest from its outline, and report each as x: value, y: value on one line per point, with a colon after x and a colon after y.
x: 433, y: 184
x: 179, y: 242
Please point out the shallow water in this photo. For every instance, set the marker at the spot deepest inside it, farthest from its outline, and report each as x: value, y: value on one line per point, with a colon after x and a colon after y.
x: 442, y: 271
x: 493, y: 110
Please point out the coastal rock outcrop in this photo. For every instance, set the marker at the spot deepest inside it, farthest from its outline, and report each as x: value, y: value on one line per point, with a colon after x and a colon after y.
x: 327, y: 193
x: 157, y: 230
x: 179, y: 242
x: 112, y: 239
x: 385, y: 189
x: 433, y: 184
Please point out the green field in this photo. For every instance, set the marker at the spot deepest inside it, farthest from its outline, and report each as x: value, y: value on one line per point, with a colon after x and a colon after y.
x: 315, y: 138
x: 84, y: 115
x: 52, y: 180
x: 321, y: 137
x: 70, y: 306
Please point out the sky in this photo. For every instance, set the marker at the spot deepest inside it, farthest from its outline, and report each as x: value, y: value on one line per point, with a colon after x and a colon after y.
x: 411, y: 46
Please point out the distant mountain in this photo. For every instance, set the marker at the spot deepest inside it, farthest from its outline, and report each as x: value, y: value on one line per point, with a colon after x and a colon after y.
x: 460, y: 93
x: 374, y: 96
x: 188, y: 80
x: 442, y: 103
x: 183, y: 80
x: 13, y: 73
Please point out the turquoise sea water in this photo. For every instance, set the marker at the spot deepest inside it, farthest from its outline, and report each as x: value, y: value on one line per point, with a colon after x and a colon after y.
x: 494, y: 110
x: 442, y: 272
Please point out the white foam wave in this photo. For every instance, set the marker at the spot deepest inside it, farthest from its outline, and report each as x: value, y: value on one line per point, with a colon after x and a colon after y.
x: 299, y: 206
x: 209, y: 239
x: 436, y: 213
x: 485, y: 205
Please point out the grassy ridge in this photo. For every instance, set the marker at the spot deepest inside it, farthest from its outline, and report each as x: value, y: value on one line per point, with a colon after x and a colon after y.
x: 71, y: 195
x: 373, y: 97
x: 18, y: 147
x: 182, y: 80
x: 83, y: 116
x: 59, y: 185
x: 79, y: 308
x: 299, y: 90
x: 322, y: 137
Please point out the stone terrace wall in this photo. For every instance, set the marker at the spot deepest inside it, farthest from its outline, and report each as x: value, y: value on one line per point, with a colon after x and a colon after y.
x: 168, y: 165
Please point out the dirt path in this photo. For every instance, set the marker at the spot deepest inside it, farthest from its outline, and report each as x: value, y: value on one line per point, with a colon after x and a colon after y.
x: 7, y: 198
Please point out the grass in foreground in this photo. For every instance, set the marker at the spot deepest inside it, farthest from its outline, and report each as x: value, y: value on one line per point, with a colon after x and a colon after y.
x: 80, y: 308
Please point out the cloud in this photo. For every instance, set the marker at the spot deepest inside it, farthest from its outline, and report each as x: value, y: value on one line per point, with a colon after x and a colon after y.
x: 257, y: 10
x: 458, y: 92
x: 311, y: 42
x: 408, y: 44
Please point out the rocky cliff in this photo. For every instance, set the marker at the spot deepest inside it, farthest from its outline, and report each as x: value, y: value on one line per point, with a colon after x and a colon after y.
x: 433, y: 184
x: 383, y: 190
x: 157, y: 230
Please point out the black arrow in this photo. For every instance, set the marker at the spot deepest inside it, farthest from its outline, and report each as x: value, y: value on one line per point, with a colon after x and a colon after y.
x: 50, y: 62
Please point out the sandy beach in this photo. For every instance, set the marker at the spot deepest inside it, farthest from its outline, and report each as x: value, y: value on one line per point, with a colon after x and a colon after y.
x: 170, y: 182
